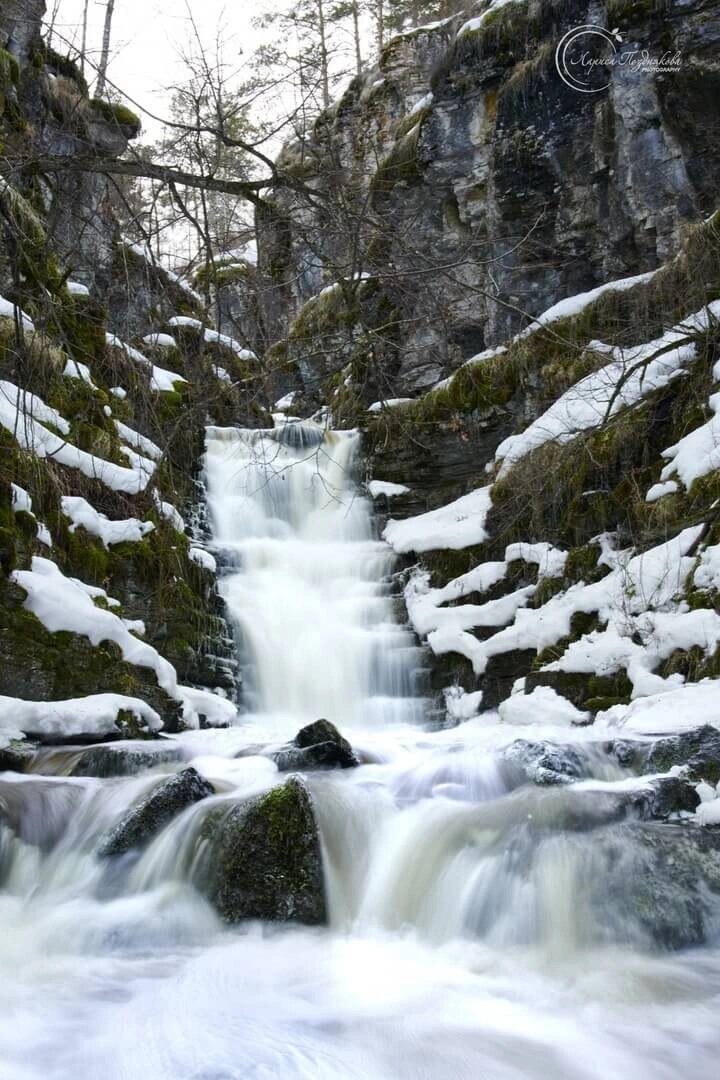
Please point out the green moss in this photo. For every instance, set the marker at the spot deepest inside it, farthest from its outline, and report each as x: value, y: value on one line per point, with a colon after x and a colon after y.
x: 223, y: 272
x: 401, y: 164
x: 9, y: 76
x: 61, y: 65
x: 118, y: 114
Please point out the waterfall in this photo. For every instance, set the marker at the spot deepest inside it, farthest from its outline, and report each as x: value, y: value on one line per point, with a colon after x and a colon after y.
x: 308, y: 584
x: 480, y: 925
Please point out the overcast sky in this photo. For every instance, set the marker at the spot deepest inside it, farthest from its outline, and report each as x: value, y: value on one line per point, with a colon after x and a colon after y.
x: 148, y: 38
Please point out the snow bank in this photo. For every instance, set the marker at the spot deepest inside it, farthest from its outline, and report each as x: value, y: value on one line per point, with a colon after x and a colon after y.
x: 74, y: 369
x: 76, y: 288
x: 164, y: 341
x: 169, y: 512
x: 95, y: 715
x: 376, y: 488
x: 18, y: 410
x: 680, y: 709
x: 388, y: 403
x: 138, y: 441
x: 203, y: 558
x: 542, y: 706
x: 62, y: 603
x: 457, y: 525
x: 82, y: 514
x: 214, y: 710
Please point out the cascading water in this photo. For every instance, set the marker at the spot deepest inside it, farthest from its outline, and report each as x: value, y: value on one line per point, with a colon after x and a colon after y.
x: 308, y: 595
x: 480, y: 926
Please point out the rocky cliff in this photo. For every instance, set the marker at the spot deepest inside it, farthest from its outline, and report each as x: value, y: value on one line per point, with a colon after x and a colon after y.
x: 512, y: 287
x: 474, y: 188
x: 110, y: 368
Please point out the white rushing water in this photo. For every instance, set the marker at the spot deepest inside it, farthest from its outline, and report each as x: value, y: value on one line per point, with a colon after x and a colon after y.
x: 478, y: 928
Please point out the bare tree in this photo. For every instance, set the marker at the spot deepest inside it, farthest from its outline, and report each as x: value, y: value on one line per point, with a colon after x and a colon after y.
x: 105, y: 50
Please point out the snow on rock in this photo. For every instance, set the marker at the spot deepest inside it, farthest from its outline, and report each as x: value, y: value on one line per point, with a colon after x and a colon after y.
x: 169, y: 512
x: 16, y: 404
x: 118, y: 392
x: 698, y: 452
x: 457, y: 525
x: 164, y: 341
x: 18, y: 412
x: 574, y: 305
x: 94, y: 715
x: 651, y: 579
x: 43, y: 535
x: 478, y: 358
x: 185, y: 320
x: 542, y: 706
x: 388, y: 403
x: 213, y: 336
x: 658, y: 491
x: 20, y: 499
x: 549, y: 560
x: 62, y: 603
x: 8, y: 310
x: 161, y: 379
x: 138, y: 442
x: 287, y: 401
x: 76, y: 288
x: 82, y: 514
x: 678, y: 710
x: 376, y: 488
x: 203, y: 558
x: 707, y: 575
x: 74, y: 369
x: 203, y: 705
x: 460, y: 705
x: 472, y: 25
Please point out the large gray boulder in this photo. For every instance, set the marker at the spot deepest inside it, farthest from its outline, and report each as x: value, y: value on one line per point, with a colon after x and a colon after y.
x: 264, y: 859
x: 317, y: 746
x: 143, y: 823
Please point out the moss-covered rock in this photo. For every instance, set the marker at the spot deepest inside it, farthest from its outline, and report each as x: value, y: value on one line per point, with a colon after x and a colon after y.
x: 265, y: 860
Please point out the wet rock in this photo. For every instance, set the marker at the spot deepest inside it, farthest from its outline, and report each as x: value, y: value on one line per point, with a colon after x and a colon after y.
x: 265, y: 860
x: 663, y: 797
x: 17, y: 755
x: 663, y: 880
x: 142, y: 824
x: 698, y: 750
x: 317, y: 746
x: 124, y: 760
x: 544, y: 763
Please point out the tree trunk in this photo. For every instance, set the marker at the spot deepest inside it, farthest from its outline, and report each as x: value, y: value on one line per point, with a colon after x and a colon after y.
x: 380, y: 25
x: 324, y: 62
x: 83, y: 46
x: 105, y: 53
x: 356, y: 34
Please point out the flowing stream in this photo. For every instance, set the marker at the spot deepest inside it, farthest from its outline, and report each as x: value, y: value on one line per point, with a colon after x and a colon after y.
x: 480, y: 926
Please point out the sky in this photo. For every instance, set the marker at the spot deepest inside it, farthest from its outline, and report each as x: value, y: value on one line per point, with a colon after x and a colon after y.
x: 148, y: 40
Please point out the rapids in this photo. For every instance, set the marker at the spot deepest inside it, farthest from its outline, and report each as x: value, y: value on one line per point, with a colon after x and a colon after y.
x: 474, y: 934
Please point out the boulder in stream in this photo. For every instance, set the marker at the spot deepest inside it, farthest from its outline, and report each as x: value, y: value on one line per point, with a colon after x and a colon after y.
x: 142, y: 824
x: 124, y: 759
x: 544, y: 762
x: 317, y: 746
x: 698, y: 750
x: 264, y: 859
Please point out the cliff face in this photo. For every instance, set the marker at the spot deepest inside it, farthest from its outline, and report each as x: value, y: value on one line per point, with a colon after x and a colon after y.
x: 478, y: 188
x: 109, y: 372
x: 522, y: 280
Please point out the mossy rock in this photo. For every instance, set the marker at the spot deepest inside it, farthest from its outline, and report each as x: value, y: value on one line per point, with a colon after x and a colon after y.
x: 124, y: 118
x: 265, y: 859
